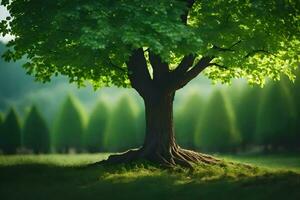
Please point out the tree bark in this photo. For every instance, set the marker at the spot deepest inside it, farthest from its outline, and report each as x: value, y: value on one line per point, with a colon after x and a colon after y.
x: 160, y: 146
x: 159, y: 138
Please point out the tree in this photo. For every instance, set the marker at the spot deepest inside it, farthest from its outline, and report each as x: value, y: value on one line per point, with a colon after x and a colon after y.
x: 69, y: 126
x: 1, y: 119
x: 121, y: 133
x: 1, y: 132
x: 11, y: 133
x: 188, y: 119
x: 117, y: 42
x: 276, y: 117
x: 218, y: 131
x: 246, y: 113
x: 96, y: 127
x: 36, y: 136
x: 141, y: 125
x: 296, y: 93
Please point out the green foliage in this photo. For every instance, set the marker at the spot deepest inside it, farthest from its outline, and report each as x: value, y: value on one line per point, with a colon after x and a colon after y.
x: 122, y: 133
x: 276, y: 117
x: 218, y: 131
x: 261, y: 37
x: 10, y: 136
x: 36, y: 136
x: 96, y: 128
x: 246, y: 114
x: 69, y: 126
x: 187, y: 120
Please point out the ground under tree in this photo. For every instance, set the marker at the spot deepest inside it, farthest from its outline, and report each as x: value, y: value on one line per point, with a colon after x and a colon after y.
x: 155, y: 47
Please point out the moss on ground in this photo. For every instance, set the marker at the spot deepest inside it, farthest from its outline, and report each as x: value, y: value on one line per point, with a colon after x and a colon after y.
x: 67, y: 177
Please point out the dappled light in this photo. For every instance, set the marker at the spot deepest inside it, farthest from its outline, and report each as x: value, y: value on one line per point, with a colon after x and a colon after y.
x: 137, y: 99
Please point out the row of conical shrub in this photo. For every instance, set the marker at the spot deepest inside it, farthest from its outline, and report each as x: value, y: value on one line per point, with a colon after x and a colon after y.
x: 105, y: 130
x: 10, y: 133
x: 277, y: 125
x: 209, y: 126
x: 268, y: 118
x: 34, y: 137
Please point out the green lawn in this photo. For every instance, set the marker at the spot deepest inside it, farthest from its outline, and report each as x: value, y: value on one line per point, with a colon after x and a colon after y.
x: 67, y: 177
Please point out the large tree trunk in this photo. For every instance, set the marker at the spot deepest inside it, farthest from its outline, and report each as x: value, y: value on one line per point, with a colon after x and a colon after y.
x: 160, y: 145
x: 158, y: 93
x: 159, y: 138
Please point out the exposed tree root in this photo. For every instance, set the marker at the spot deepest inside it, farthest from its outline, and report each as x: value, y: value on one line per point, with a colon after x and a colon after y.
x: 176, y: 157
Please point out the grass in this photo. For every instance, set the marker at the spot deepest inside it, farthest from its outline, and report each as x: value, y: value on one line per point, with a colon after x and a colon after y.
x: 66, y: 177
x: 270, y: 161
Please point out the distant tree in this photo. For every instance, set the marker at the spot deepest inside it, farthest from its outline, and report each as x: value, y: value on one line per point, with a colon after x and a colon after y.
x: 1, y: 131
x: 296, y: 92
x: 1, y: 119
x: 141, y: 125
x: 187, y: 120
x: 246, y: 114
x: 157, y: 47
x: 96, y: 128
x: 217, y: 130
x: 11, y: 133
x: 276, y: 117
x: 36, y: 136
x: 69, y: 126
x: 121, y: 133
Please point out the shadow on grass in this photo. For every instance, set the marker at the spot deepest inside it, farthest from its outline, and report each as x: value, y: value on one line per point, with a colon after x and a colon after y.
x: 44, y: 181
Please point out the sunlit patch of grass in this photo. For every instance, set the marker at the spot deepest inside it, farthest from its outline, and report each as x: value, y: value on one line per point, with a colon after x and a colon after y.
x: 53, y: 159
x: 283, y: 161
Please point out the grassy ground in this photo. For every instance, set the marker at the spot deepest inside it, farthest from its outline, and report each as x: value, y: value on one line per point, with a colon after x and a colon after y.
x: 66, y: 177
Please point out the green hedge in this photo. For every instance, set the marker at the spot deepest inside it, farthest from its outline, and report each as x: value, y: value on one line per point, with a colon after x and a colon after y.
x: 36, y: 136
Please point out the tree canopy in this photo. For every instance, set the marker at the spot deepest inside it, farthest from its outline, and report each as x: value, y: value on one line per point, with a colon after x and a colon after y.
x: 94, y: 40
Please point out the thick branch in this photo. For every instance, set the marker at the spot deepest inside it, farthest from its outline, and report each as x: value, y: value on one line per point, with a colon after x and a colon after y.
x: 192, y: 73
x: 160, y: 68
x: 185, y: 64
x: 138, y: 72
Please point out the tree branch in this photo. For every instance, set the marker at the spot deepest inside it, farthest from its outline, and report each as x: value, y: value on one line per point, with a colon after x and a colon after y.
x: 185, y: 64
x: 160, y: 68
x: 218, y: 65
x: 138, y: 72
x: 116, y: 66
x: 251, y: 53
x: 227, y: 49
x: 192, y: 73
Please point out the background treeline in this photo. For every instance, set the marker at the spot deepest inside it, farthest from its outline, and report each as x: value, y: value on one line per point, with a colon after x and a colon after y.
x: 227, y: 120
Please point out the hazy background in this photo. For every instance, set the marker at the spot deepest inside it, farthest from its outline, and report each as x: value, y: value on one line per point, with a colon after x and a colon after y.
x: 217, y: 118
